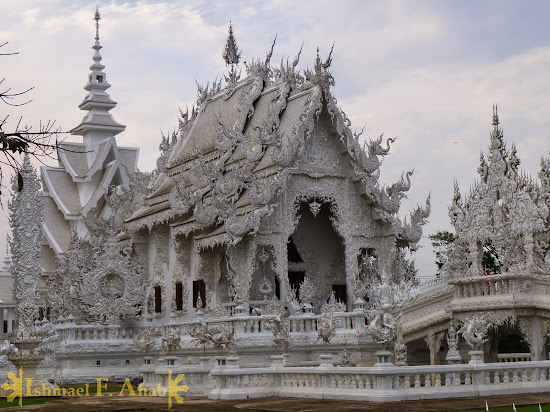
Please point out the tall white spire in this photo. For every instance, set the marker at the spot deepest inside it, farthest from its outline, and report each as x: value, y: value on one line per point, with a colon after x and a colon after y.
x: 98, y: 123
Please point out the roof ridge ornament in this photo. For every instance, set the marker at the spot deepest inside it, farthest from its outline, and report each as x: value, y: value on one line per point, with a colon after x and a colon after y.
x: 496, y: 121
x: 231, y: 55
x: 98, y: 102
x: 97, y: 17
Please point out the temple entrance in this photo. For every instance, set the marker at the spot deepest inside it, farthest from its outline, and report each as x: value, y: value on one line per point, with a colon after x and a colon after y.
x: 316, y: 252
x: 508, y: 344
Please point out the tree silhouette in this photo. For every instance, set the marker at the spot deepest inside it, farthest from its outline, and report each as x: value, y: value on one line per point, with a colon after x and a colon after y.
x: 38, y: 143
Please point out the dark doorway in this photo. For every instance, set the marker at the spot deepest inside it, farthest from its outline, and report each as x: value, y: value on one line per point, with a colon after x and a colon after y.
x: 341, y: 294
x: 295, y: 279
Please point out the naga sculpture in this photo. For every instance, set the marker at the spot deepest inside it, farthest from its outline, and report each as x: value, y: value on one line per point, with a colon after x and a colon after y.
x: 473, y: 331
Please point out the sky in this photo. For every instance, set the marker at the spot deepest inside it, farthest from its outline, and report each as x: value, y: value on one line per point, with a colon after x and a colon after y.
x: 426, y: 72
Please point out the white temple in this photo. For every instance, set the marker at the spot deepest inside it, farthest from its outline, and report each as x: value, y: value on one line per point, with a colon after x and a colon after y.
x: 265, y: 198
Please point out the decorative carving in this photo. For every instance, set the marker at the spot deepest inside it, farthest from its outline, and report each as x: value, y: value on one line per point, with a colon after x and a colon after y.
x: 400, y: 349
x: 25, y: 217
x: 278, y: 326
x: 100, y: 279
x: 506, y: 208
x: 453, y: 355
x: 473, y: 331
x: 216, y: 336
x: 325, y: 327
x: 171, y: 340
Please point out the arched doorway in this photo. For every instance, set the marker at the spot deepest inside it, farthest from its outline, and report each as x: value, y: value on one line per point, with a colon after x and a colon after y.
x: 315, y: 251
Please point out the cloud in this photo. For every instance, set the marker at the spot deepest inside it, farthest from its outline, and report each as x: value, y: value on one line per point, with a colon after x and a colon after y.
x: 425, y: 72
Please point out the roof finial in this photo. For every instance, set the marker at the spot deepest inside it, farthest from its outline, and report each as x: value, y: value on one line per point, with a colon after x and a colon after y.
x: 97, y: 17
x: 231, y: 53
x: 495, y: 117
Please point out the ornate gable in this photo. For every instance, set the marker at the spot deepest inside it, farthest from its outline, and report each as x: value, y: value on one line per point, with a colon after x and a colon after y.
x: 236, y: 152
x: 506, y: 208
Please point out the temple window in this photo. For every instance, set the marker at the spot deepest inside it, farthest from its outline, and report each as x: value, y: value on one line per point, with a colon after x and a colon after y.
x: 179, y: 296
x: 199, y: 289
x: 158, y: 299
x: 100, y: 79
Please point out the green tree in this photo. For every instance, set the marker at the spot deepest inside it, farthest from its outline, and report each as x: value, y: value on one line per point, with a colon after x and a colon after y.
x: 442, y: 241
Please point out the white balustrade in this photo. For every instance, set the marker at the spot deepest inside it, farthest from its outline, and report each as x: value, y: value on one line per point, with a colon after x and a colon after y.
x: 514, y: 357
x: 388, y: 383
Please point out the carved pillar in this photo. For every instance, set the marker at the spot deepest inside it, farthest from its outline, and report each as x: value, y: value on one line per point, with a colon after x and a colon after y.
x: 281, y: 257
x: 26, y: 217
x: 352, y: 270
x: 534, y: 330
x: 433, y: 340
x: 474, y: 256
x: 241, y: 264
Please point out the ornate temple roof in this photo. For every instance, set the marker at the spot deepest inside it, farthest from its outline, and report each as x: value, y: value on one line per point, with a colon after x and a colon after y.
x: 235, y: 151
x: 506, y: 208
x: 86, y: 169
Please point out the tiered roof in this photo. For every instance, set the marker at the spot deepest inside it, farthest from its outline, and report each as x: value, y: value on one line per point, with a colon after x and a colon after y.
x: 87, y: 169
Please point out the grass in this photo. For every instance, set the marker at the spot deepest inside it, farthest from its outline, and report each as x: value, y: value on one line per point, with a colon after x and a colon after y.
x: 26, y: 401
x: 528, y: 408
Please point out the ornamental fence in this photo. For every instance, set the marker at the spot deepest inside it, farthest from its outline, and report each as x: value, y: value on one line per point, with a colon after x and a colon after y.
x: 380, y: 383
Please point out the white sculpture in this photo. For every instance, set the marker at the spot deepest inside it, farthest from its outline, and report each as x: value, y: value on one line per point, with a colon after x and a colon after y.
x: 473, y: 331
x: 453, y: 355
x: 279, y: 328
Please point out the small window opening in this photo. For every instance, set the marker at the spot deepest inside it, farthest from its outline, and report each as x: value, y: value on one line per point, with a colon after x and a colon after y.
x: 179, y: 296
x: 158, y: 300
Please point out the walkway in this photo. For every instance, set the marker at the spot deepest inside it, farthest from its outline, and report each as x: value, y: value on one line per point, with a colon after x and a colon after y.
x: 201, y: 404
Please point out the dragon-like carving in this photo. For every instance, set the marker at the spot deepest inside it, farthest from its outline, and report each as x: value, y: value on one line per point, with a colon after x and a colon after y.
x: 409, y: 234
x: 390, y: 198
x: 371, y: 163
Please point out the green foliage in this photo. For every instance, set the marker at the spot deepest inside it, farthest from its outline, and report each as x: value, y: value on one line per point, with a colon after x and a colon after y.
x: 489, y: 259
x: 441, y: 242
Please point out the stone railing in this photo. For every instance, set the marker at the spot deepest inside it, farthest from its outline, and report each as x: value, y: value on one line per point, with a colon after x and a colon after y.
x: 196, y: 377
x: 71, y: 332
x: 240, y: 326
x: 429, y: 286
x: 498, y: 285
x: 381, y: 383
x: 514, y: 357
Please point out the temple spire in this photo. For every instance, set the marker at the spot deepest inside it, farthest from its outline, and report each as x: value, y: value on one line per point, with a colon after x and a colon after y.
x: 97, y: 17
x: 231, y: 53
x: 98, y: 123
x: 495, y: 117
